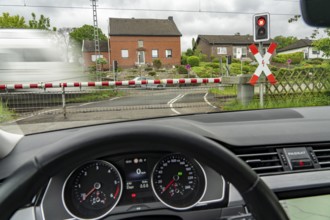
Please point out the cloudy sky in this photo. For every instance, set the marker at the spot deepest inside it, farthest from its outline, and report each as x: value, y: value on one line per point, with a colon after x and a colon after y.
x: 192, y: 17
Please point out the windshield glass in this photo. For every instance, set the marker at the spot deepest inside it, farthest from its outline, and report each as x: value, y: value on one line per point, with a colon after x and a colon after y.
x: 68, y: 64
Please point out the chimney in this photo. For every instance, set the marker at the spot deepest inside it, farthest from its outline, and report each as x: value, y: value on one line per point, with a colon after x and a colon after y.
x: 170, y: 18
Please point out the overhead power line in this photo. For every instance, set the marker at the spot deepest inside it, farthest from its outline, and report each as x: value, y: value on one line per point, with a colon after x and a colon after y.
x: 144, y: 9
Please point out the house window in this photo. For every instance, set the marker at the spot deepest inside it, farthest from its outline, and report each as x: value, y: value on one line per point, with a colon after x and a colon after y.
x: 154, y: 53
x: 168, y: 53
x: 315, y: 51
x: 140, y: 43
x: 95, y: 57
x: 240, y: 50
x: 221, y: 50
x: 124, y: 53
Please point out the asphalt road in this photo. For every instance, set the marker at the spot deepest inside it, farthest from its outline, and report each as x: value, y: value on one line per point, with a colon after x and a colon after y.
x: 137, y: 104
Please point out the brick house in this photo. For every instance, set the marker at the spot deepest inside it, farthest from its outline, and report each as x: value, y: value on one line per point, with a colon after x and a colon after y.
x: 136, y: 42
x: 89, y: 57
x: 223, y: 45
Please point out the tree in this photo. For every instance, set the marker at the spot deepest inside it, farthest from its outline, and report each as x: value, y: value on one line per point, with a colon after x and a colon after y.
x: 86, y: 32
x: 323, y: 44
x: 43, y: 23
x: 62, y: 37
x: 193, y: 43
x: 101, y: 61
x: 284, y: 41
x: 237, y: 34
x: 189, y: 52
x: 16, y: 21
x: 295, y: 18
x: 315, y: 33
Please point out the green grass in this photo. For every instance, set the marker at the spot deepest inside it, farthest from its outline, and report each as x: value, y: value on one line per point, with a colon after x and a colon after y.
x: 225, y: 91
x: 95, y: 96
x: 312, y: 100
x: 5, y: 113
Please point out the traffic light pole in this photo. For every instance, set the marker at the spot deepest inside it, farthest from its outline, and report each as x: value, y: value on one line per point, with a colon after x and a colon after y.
x: 261, y: 79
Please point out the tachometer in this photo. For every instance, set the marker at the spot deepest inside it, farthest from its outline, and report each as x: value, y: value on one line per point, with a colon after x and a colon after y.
x: 178, y: 181
x: 92, y: 190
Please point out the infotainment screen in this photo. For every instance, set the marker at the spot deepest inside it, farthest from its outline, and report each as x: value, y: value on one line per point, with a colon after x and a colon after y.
x: 315, y: 208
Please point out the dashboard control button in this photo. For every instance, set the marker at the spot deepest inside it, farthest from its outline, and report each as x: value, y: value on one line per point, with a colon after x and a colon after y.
x: 137, y: 208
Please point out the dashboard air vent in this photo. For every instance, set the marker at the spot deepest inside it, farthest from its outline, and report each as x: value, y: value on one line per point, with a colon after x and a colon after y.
x: 322, y: 154
x: 262, y: 161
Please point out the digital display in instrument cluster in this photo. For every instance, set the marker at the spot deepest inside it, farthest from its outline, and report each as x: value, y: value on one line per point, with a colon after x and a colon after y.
x: 137, y: 177
x: 137, y: 184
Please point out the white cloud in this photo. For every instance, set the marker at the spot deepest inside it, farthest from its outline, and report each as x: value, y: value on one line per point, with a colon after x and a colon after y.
x: 189, y: 23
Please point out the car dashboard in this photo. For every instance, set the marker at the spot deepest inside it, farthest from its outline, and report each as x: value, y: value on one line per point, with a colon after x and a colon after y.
x: 288, y: 148
x: 136, y: 189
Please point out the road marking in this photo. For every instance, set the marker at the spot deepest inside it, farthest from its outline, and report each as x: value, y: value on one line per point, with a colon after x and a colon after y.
x: 172, y: 101
x: 31, y: 116
x: 205, y: 99
x: 89, y: 103
x: 114, y: 98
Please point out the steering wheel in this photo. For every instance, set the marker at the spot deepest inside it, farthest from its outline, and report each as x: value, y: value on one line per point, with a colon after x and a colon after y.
x: 18, y: 189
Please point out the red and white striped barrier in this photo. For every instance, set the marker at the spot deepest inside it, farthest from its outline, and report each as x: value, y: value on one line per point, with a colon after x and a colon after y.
x: 263, y: 61
x: 109, y: 83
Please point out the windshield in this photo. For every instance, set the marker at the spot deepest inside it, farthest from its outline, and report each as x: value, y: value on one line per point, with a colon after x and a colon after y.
x: 68, y: 64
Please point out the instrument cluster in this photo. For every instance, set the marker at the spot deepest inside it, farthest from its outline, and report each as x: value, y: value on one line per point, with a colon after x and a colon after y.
x: 96, y: 188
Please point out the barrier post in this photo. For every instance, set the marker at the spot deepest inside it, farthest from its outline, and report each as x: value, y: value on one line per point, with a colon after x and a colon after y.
x: 63, y: 100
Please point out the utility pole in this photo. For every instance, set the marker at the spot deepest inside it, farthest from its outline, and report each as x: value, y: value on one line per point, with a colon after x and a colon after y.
x: 96, y: 37
x: 262, y: 78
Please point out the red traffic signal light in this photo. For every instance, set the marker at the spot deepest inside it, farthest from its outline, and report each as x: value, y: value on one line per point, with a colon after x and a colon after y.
x: 261, y: 21
x: 261, y: 27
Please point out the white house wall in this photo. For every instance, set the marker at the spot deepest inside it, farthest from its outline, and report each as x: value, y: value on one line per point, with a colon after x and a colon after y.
x: 305, y: 50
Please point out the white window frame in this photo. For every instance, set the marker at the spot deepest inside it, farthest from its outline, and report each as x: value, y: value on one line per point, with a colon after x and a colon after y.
x: 222, y: 50
x: 244, y: 51
x: 168, y: 53
x: 124, y: 53
x: 95, y: 57
x: 153, y: 54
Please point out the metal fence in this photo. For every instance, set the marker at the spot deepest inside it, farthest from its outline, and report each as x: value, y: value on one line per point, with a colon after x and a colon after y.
x: 111, y: 103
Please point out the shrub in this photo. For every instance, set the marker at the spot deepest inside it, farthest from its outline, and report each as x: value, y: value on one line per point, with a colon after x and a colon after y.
x: 182, y: 70
x: 184, y: 60
x: 213, y: 65
x: 234, y: 60
x: 215, y: 60
x: 278, y: 59
x: 157, y: 63
x: 193, y: 61
x: 148, y: 68
x: 202, y: 57
x: 152, y: 73
x: 295, y: 58
x: 273, y: 68
x: 92, y: 68
x: 316, y: 61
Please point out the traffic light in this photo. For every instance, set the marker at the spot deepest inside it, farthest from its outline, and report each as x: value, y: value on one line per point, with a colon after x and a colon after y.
x: 115, y: 65
x: 261, y: 27
x: 228, y: 59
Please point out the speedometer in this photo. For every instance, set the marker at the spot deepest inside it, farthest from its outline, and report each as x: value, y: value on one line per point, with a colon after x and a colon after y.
x: 178, y: 182
x: 92, y: 190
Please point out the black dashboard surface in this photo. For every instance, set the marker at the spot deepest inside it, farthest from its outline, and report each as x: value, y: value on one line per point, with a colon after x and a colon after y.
x: 233, y: 129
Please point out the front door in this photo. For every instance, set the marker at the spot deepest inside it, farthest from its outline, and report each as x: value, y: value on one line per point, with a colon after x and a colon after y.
x: 141, y: 57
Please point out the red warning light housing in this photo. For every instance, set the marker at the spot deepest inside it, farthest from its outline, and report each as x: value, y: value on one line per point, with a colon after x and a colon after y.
x: 261, y: 27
